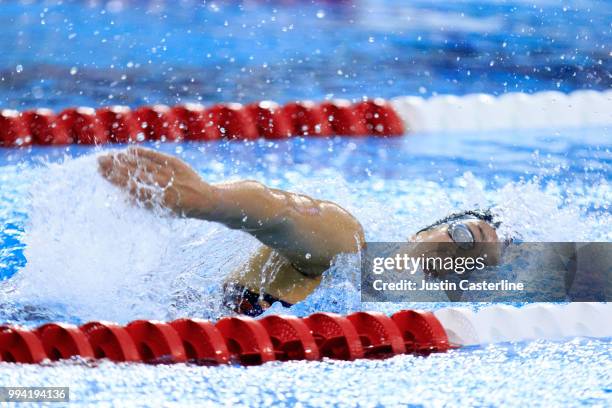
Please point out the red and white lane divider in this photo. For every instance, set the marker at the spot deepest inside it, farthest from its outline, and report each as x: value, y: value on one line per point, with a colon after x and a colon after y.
x: 120, y: 124
x: 377, y: 117
x: 247, y: 341
x: 242, y: 340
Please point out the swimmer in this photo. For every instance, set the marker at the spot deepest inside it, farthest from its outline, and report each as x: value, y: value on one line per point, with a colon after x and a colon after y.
x: 300, y: 235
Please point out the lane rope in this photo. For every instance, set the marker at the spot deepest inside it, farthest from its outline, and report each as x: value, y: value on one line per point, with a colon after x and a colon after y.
x: 232, y: 121
x: 239, y: 339
x: 247, y: 341
x: 266, y: 119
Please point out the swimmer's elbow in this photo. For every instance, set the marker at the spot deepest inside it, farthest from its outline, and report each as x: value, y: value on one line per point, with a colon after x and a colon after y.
x: 355, y: 241
x: 352, y: 236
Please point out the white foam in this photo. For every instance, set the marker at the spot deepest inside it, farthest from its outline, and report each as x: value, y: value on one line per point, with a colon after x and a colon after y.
x: 514, y: 110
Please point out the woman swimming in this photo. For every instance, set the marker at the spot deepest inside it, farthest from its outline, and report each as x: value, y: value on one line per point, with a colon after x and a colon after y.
x: 301, y: 235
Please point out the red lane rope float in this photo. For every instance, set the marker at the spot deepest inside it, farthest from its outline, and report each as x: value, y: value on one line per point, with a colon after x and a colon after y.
x: 266, y: 119
x: 109, y: 340
x: 44, y: 128
x: 421, y: 331
x: 271, y: 121
x: 379, y: 335
x: 157, y: 123
x: 229, y: 121
x: 335, y: 336
x: 118, y: 124
x: 191, y: 119
x: 240, y: 339
x: 13, y: 129
x: 20, y: 345
x: 247, y: 340
x: 202, y: 341
x: 308, y: 119
x: 82, y: 126
x: 157, y: 342
x: 378, y: 119
x: 291, y: 338
x: 61, y: 341
x: 344, y: 119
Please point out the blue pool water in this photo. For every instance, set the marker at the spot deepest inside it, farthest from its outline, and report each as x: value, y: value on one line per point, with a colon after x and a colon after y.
x: 153, y: 52
x: 73, y: 249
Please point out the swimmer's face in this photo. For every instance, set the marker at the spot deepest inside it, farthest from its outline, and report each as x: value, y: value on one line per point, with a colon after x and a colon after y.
x: 482, y: 232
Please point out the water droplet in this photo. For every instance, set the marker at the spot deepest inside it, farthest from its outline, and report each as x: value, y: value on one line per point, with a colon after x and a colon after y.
x: 320, y: 14
x: 73, y: 70
x: 19, y: 68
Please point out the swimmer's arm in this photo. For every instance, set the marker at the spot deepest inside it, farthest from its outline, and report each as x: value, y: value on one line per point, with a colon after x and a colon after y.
x: 309, y: 232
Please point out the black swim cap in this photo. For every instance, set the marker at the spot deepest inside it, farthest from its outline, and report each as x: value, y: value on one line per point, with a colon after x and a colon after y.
x: 484, y: 215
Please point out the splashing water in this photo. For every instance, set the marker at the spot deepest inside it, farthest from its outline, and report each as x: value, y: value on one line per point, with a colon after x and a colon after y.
x: 98, y: 256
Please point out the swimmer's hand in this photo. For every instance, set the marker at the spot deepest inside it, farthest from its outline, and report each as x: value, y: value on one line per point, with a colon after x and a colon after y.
x: 152, y: 178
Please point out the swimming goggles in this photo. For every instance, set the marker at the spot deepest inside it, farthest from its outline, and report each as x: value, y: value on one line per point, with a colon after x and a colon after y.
x: 461, y: 235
